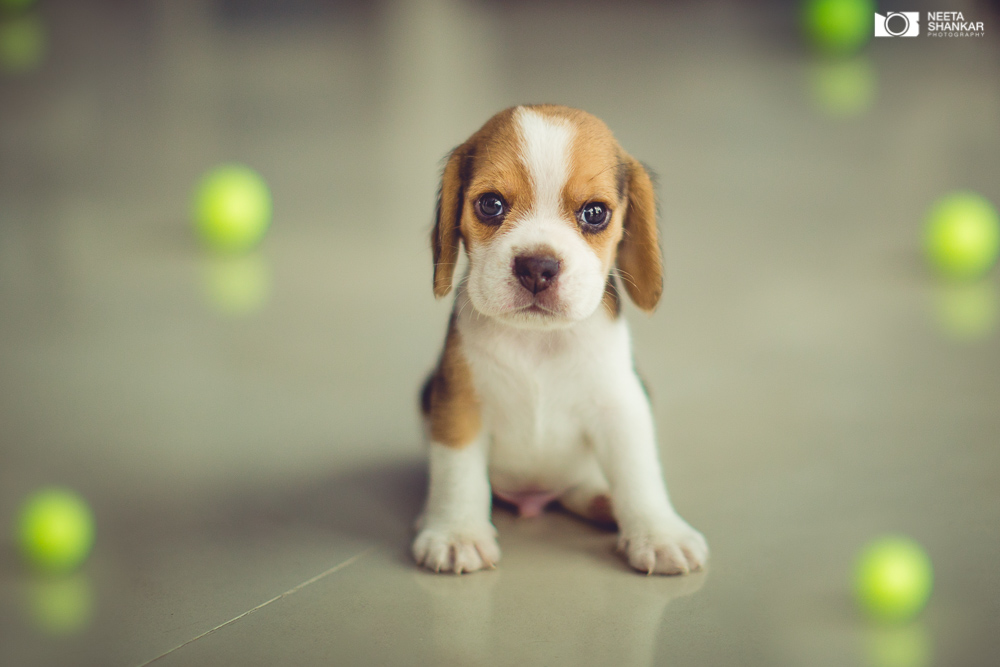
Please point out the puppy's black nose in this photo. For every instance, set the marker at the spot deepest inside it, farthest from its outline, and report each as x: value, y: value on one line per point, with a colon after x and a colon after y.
x: 536, y: 273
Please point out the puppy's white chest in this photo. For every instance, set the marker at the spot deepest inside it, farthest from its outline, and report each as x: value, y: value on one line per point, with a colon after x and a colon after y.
x: 537, y: 439
x: 535, y: 389
x: 533, y: 423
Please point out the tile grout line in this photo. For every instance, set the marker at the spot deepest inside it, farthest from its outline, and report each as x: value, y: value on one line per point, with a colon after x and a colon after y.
x: 290, y: 591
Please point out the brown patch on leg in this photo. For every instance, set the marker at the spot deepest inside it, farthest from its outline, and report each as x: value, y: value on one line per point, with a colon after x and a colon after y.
x: 600, y: 511
x: 449, y: 399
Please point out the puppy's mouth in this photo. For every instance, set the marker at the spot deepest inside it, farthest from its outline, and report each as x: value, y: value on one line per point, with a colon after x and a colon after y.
x: 544, y: 305
x: 536, y: 308
x: 534, y: 313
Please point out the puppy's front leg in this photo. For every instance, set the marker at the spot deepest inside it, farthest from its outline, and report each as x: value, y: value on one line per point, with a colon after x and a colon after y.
x: 455, y: 532
x: 653, y: 537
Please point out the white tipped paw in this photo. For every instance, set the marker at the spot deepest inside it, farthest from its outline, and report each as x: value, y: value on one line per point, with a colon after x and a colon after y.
x: 457, y: 548
x: 673, y: 549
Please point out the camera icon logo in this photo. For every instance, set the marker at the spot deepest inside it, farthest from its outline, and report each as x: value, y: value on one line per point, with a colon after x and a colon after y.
x: 897, y: 24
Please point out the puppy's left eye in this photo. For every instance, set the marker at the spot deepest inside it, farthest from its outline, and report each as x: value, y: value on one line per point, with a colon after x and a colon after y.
x: 594, y: 216
x: 491, y: 208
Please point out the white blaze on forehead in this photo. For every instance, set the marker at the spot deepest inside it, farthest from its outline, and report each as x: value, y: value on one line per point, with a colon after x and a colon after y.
x: 545, y: 146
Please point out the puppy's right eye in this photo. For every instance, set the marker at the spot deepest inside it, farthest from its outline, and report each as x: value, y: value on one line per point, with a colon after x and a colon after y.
x: 491, y: 208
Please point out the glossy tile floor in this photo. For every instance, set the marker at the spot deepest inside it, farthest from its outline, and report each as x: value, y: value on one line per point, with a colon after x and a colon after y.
x: 245, y: 428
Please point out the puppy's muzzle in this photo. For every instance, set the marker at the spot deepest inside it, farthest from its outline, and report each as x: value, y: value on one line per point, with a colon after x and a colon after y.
x: 536, y: 273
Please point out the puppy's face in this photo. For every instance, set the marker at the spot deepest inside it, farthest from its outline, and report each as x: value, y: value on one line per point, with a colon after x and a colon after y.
x: 546, y: 200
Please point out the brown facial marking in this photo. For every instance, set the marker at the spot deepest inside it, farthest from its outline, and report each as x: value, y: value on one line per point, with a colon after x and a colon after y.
x: 486, y: 162
x: 594, y: 174
x: 495, y: 169
x: 449, y: 398
x: 597, y: 173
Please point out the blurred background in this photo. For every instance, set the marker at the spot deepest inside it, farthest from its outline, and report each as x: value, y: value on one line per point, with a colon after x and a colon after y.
x: 241, y: 422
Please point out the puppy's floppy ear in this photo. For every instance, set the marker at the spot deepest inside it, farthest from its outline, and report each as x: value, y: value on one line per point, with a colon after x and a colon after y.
x: 446, y: 234
x: 639, y: 259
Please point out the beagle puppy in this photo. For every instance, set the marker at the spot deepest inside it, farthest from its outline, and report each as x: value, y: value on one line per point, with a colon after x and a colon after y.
x: 535, y: 397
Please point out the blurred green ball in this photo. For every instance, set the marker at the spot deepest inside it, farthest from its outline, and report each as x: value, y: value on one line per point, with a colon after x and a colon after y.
x: 838, y: 26
x: 232, y: 208
x: 55, y: 530
x: 16, y: 5
x: 23, y: 44
x: 963, y: 235
x: 893, y: 579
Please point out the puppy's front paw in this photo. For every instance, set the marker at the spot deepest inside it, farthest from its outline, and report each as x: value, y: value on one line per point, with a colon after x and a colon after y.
x: 457, y: 548
x: 673, y: 548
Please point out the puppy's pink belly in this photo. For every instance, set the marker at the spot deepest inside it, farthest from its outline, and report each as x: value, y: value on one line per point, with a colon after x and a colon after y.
x: 528, y: 503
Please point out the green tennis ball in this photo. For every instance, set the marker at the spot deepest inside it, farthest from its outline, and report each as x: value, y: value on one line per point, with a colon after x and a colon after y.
x: 838, y: 26
x: 232, y: 208
x: 56, y: 530
x: 963, y: 235
x: 893, y: 579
